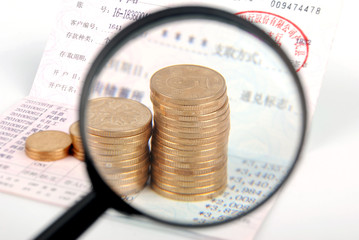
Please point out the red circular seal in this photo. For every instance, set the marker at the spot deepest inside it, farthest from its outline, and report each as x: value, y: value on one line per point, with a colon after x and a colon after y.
x: 284, y: 32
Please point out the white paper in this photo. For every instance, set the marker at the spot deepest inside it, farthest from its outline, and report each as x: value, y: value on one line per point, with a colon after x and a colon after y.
x: 305, y: 30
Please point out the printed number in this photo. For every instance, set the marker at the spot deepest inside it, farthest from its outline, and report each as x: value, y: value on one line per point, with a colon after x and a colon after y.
x: 296, y: 7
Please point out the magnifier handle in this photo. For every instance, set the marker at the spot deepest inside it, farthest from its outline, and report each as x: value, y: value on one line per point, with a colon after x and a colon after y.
x: 76, y: 219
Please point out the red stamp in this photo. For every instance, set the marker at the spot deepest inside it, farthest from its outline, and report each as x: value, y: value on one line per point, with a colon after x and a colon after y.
x: 284, y: 32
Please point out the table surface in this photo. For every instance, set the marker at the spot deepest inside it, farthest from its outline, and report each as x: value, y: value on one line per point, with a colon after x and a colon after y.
x: 320, y: 200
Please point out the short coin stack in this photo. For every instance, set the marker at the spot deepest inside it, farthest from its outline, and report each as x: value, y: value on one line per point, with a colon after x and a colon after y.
x: 190, y: 135
x: 48, y: 145
x: 77, y: 148
x: 118, y: 133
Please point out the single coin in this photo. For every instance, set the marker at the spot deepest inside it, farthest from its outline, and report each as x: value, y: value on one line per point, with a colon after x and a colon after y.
x: 186, y: 147
x: 137, y: 178
x: 116, y: 152
x: 115, y: 158
x: 195, y: 123
x: 78, y: 147
x: 117, y: 117
x: 199, y: 117
x: 221, y: 137
x: 141, y: 137
x: 121, y: 189
x: 210, y: 130
x: 46, y: 157
x: 188, y: 197
x: 47, y: 154
x: 187, y: 159
x: 158, y: 172
x: 183, y: 134
x: 78, y: 155
x: 163, y: 176
x: 215, y: 104
x: 190, y: 84
x: 158, y: 146
x: 190, y: 190
x: 197, y: 183
x: 189, y: 165
x: 113, y: 169
x: 115, y: 149
x: 125, y: 175
x: 126, y: 162
x: 189, y: 171
x: 115, y: 146
x: 53, y: 145
x: 177, y: 110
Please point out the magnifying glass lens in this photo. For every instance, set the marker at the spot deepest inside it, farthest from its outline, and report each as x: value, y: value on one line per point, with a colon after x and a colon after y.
x: 193, y: 119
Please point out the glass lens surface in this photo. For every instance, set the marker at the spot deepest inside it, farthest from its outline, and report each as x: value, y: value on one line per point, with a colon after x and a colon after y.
x: 219, y: 126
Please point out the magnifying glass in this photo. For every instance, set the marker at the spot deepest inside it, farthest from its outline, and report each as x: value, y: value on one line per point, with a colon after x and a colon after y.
x: 190, y: 116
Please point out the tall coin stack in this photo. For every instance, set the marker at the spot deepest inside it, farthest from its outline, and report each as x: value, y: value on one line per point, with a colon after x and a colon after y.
x: 118, y: 133
x: 190, y: 135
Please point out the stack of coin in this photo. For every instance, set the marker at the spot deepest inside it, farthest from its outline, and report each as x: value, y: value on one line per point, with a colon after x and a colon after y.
x: 190, y: 135
x: 48, y: 145
x: 118, y: 133
x: 77, y: 148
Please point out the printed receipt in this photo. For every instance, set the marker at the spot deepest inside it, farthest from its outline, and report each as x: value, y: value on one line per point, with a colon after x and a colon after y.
x: 304, y: 29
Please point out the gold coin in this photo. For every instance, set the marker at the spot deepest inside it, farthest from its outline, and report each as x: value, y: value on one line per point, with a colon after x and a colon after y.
x: 180, y: 183
x: 126, y: 162
x: 187, y: 175
x: 177, y: 110
x: 117, y: 117
x: 161, y: 175
x: 125, y: 175
x: 202, y: 183
x: 137, y: 178
x: 180, y: 146
x: 78, y: 147
x: 218, y: 127
x: 182, y: 134
x: 191, y: 165
x: 75, y: 130
x: 115, y: 158
x: 112, y: 169
x: 188, y: 197
x: 144, y: 136
x: 118, y: 151
x: 215, y: 104
x: 201, y: 117
x: 189, y: 171
x: 168, y: 121
x: 221, y: 137
x: 190, y: 190
x: 128, y: 188
x: 76, y: 136
x: 131, y: 147
x: 189, y: 84
x: 187, y: 159
x: 106, y: 146
x: 47, y: 156
x: 48, y: 145
x: 77, y: 154
x: 157, y: 146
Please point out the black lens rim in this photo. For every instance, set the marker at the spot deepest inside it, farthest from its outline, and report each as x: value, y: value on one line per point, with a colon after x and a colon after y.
x: 99, y: 186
